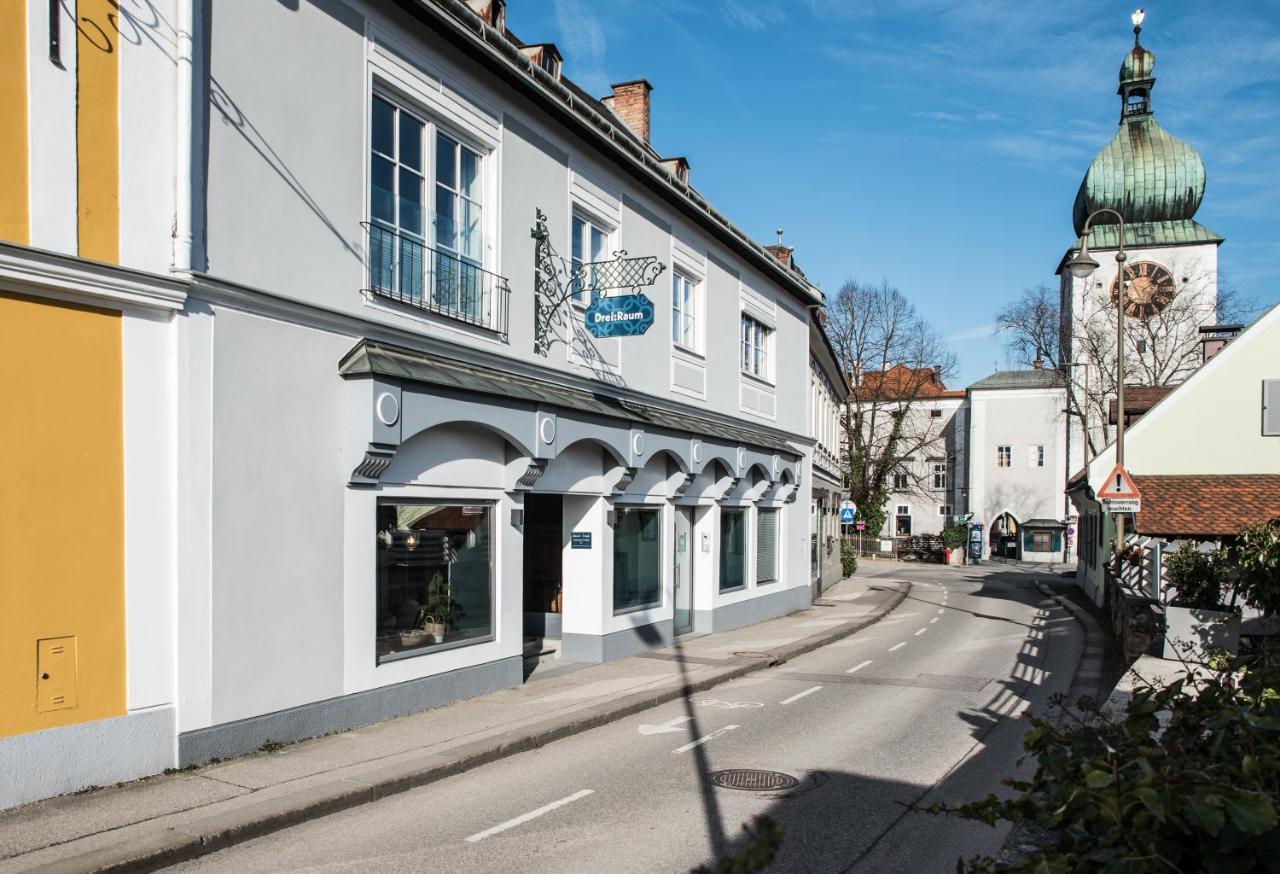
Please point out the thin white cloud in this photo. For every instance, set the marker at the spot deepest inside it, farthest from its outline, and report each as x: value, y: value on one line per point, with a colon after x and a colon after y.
x: 583, y: 44
x: 753, y: 14
x: 979, y: 332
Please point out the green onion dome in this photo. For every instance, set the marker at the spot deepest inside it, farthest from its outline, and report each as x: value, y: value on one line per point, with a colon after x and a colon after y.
x: 1144, y: 174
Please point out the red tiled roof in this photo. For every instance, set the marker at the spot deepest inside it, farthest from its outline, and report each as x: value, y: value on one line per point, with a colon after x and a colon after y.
x: 900, y: 383
x: 1206, y: 506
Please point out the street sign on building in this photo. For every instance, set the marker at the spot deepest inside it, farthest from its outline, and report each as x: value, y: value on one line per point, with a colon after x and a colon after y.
x: 1119, y: 494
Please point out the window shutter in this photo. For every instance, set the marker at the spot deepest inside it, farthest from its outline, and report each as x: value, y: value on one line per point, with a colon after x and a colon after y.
x: 1271, y: 408
x: 766, y: 546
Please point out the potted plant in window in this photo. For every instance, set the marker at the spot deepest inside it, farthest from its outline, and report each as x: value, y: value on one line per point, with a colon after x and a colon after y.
x: 441, y: 611
x: 1197, y: 621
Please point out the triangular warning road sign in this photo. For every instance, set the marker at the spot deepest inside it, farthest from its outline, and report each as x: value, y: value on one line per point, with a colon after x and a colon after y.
x: 1119, y: 485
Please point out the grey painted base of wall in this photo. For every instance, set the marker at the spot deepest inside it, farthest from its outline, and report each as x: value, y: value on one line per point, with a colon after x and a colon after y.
x: 619, y: 644
x: 732, y: 616
x: 349, y: 711
x: 60, y: 760
x: 543, y: 624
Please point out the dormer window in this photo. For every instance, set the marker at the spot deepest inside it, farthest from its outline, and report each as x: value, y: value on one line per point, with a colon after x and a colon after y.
x: 546, y: 56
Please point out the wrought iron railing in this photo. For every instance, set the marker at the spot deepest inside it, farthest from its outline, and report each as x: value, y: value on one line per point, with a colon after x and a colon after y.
x: 408, y: 271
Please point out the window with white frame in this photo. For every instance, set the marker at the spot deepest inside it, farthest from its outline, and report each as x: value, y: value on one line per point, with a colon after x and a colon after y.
x: 684, y: 312
x: 901, y: 480
x: 939, y: 476
x: 426, y: 241
x: 1004, y: 456
x: 944, y: 509
x: 589, y: 243
x: 1035, y: 456
x: 757, y: 339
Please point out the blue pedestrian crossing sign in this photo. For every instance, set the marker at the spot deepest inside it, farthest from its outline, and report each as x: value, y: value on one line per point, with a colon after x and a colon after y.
x: 848, y: 510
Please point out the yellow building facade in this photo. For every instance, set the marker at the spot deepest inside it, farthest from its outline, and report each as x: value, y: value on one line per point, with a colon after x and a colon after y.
x: 85, y: 321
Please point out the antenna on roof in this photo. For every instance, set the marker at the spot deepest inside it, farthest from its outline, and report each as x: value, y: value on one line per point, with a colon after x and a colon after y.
x: 779, y: 233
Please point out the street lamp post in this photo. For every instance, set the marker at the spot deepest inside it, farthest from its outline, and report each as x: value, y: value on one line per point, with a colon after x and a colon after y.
x: 1068, y: 366
x: 1082, y: 267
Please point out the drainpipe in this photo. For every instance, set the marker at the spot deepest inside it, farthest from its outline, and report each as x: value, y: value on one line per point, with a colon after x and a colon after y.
x: 185, y: 159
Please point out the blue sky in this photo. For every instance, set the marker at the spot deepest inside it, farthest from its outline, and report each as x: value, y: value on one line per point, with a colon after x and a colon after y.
x: 937, y: 145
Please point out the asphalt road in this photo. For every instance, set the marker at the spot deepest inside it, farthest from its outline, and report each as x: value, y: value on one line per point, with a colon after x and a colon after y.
x: 921, y: 706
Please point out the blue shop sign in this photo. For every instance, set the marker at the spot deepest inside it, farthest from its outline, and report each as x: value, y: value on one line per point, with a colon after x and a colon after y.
x: 580, y: 540
x: 623, y: 315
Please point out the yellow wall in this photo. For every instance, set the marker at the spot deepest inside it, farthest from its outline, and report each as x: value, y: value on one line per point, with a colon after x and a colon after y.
x: 61, y: 506
x: 98, y: 48
x: 13, y: 122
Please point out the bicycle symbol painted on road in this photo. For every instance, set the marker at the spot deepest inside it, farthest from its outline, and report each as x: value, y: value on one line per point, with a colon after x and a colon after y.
x: 727, y: 705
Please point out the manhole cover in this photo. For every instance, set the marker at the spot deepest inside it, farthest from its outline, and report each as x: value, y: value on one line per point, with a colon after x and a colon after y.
x: 752, y: 780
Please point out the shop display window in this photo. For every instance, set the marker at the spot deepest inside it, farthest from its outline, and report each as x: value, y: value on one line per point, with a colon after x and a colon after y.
x: 637, y: 559
x: 435, y: 577
x: 733, y: 549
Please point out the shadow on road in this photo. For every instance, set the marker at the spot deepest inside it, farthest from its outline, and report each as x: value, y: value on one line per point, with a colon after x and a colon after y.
x: 845, y: 821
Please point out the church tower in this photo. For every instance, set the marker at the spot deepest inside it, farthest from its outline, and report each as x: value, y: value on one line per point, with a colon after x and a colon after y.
x: 1156, y: 182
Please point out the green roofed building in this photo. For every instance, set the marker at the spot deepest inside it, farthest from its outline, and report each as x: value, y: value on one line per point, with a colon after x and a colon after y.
x: 1156, y: 182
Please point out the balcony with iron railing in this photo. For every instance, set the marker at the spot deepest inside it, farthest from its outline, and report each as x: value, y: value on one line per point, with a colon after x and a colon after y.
x: 405, y: 270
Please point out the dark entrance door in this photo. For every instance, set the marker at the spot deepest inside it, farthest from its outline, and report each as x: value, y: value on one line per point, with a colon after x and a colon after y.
x: 543, y: 564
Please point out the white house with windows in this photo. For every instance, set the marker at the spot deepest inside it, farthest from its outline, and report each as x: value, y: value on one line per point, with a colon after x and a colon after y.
x: 522, y: 382
x: 1017, y: 464
x: 459, y: 364
x: 992, y: 455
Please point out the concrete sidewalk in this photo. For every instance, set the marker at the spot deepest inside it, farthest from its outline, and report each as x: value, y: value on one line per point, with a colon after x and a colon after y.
x: 158, y: 821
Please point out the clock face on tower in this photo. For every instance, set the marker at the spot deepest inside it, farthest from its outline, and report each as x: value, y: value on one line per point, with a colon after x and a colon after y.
x: 1150, y: 289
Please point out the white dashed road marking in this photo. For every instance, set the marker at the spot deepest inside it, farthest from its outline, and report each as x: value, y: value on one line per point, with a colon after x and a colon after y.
x: 921, y: 631
x: 706, y: 737
x: 897, y: 646
x: 858, y: 667
x: 799, y: 695
x: 525, y: 817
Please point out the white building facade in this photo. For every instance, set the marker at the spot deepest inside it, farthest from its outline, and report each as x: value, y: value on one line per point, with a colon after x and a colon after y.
x: 994, y: 456
x: 828, y: 393
x: 390, y: 448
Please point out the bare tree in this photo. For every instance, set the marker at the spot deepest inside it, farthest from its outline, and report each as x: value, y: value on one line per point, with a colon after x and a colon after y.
x: 1161, y: 350
x: 891, y: 355
x: 1032, y: 327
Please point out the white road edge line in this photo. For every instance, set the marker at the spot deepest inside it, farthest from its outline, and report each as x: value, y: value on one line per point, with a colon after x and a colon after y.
x: 922, y: 631
x: 706, y: 737
x: 533, y: 814
x: 799, y: 695
x: 897, y: 646
x: 858, y: 667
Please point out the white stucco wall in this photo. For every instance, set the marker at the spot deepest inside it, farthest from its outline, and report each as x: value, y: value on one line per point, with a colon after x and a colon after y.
x: 1020, y: 419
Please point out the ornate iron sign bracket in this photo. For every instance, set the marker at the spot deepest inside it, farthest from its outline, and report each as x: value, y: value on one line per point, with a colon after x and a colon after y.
x: 557, y: 282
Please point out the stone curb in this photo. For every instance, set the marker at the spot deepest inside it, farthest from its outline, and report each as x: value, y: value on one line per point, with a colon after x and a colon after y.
x: 217, y: 832
x: 1088, y: 672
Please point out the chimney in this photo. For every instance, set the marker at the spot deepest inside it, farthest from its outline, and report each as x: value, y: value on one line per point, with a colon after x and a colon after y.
x: 782, y: 253
x: 494, y: 12
x: 1038, y: 364
x: 679, y: 168
x: 630, y: 102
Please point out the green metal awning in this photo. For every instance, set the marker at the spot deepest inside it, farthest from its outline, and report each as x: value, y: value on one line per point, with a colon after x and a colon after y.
x: 370, y: 358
